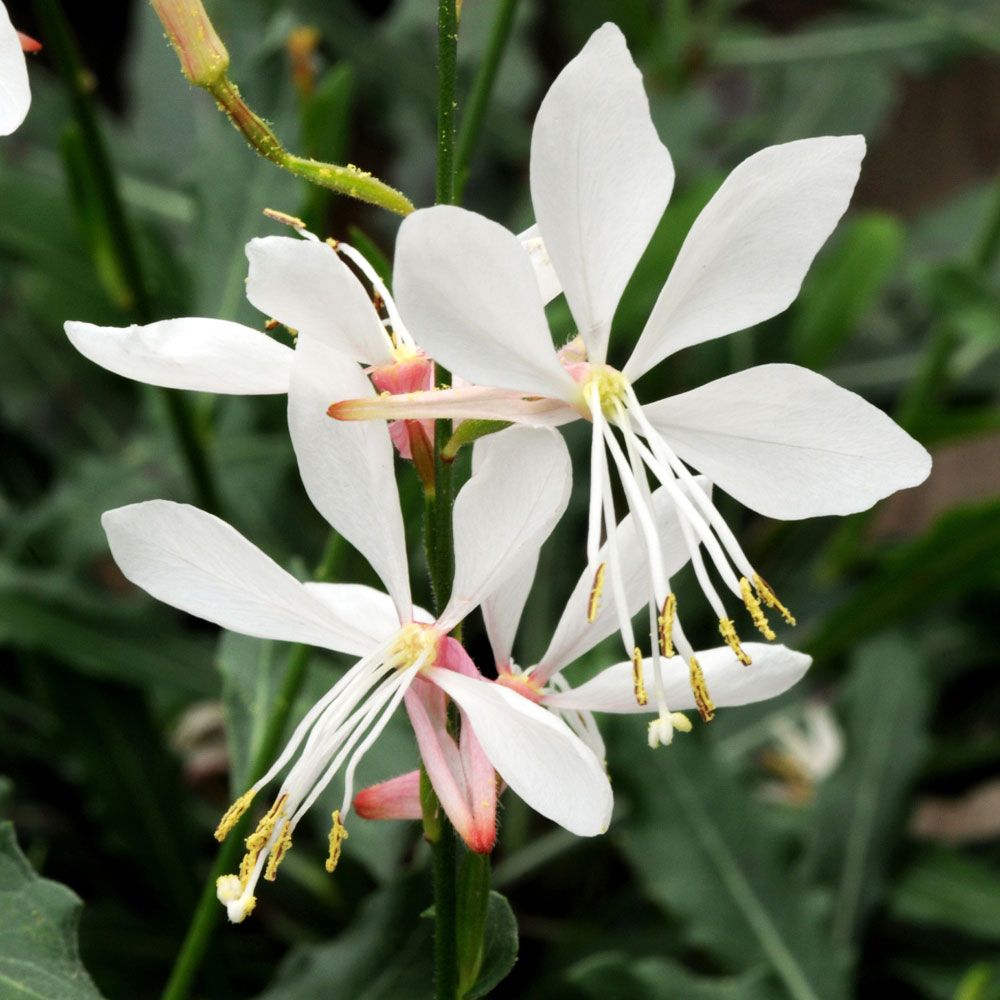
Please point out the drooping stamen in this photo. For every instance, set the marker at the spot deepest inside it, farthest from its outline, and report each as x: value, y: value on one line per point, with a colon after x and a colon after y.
x: 278, y: 851
x: 768, y: 596
x: 665, y: 625
x: 728, y: 631
x: 338, y: 834
x: 757, y: 615
x: 615, y: 569
x: 706, y: 707
x: 399, y: 331
x: 233, y: 815
x: 598, y: 473
x: 638, y: 685
x: 597, y: 587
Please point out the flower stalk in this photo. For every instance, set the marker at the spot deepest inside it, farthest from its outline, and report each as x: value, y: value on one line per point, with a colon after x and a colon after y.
x: 205, y: 63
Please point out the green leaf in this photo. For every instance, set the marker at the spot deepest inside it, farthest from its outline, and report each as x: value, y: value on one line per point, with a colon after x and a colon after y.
x: 862, y: 808
x: 39, y: 958
x: 703, y: 850
x: 473, y: 898
x: 384, y: 955
x: 617, y: 976
x: 947, y: 890
x: 499, y: 948
x: 843, y: 286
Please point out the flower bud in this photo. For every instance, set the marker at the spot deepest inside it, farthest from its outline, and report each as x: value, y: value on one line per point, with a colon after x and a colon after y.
x: 204, y: 59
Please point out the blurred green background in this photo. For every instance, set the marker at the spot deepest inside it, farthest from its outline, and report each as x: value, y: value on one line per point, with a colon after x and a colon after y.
x: 843, y: 841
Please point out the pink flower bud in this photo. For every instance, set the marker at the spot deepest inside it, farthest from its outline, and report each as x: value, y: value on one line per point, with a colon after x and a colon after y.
x: 204, y: 59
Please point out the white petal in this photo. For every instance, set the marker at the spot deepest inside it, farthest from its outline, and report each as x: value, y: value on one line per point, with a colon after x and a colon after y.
x: 507, y: 508
x: 305, y: 285
x: 15, y: 93
x: 774, y: 670
x: 347, y: 468
x: 207, y: 355
x: 502, y: 608
x: 746, y: 254
x: 466, y: 289
x: 535, y: 753
x: 789, y: 443
x: 600, y: 180
x: 574, y: 635
x: 368, y: 609
x: 196, y: 562
x: 545, y: 273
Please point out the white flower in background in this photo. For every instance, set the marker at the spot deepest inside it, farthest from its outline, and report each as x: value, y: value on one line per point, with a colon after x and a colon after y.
x: 782, y: 440
x: 198, y: 563
x: 15, y: 91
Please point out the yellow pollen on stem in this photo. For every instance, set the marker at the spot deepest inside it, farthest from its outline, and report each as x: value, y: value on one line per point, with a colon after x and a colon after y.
x: 594, y: 601
x: 278, y: 852
x: 706, y: 707
x: 638, y: 685
x: 728, y: 632
x: 338, y: 834
x: 233, y: 814
x: 768, y: 596
x: 757, y: 615
x: 665, y: 625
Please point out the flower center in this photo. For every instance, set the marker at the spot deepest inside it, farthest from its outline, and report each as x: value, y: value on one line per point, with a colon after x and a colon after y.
x: 608, y: 386
x: 522, y: 684
x: 414, y: 644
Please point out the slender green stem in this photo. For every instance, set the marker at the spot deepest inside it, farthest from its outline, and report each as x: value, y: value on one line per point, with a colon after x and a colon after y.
x: 482, y: 88
x: 207, y: 913
x: 447, y: 105
x: 60, y: 43
x: 445, y: 915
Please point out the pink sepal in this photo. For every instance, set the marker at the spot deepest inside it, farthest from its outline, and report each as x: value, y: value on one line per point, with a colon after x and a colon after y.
x: 397, y: 798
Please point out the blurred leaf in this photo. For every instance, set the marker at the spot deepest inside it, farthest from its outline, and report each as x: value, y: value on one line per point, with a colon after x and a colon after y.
x: 945, y: 889
x: 384, y: 955
x: 499, y: 947
x: 617, y: 976
x: 39, y: 959
x: 326, y: 118
x: 703, y: 850
x: 861, y: 808
x: 842, y: 287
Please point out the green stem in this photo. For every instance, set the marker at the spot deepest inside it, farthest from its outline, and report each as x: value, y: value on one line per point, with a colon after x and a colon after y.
x: 60, y: 43
x: 447, y: 105
x: 445, y: 914
x: 482, y: 88
x: 206, y: 915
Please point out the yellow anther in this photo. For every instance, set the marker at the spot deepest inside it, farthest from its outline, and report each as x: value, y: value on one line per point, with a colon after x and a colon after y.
x: 608, y: 385
x: 728, y: 631
x: 338, y: 834
x: 706, y: 707
x: 259, y: 838
x: 413, y: 643
x: 284, y: 218
x: 665, y: 625
x: 594, y: 602
x: 278, y: 851
x: 768, y: 596
x: 756, y: 612
x: 638, y: 685
x: 232, y: 815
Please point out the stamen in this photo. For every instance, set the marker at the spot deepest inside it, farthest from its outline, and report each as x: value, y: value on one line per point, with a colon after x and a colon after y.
x: 756, y: 612
x: 706, y: 707
x: 637, y: 682
x: 768, y: 596
x: 594, y: 601
x: 233, y: 814
x: 598, y: 473
x: 728, y: 631
x: 665, y: 625
x: 278, y: 851
x: 256, y: 841
x: 338, y: 834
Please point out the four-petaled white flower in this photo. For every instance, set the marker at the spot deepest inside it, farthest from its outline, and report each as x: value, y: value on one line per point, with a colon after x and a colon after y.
x: 198, y: 563
x: 15, y: 90
x: 782, y: 440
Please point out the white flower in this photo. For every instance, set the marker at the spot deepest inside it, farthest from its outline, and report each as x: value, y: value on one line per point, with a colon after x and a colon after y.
x: 198, y: 563
x: 15, y: 91
x: 782, y: 440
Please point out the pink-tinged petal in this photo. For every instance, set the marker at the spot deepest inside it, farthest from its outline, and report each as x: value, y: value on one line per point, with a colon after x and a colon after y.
x: 574, y: 634
x: 789, y: 443
x: 467, y: 403
x: 196, y: 562
x: 305, y: 285
x: 508, y: 507
x: 204, y: 355
x: 541, y: 262
x: 534, y: 752
x: 600, y: 180
x: 15, y: 91
x: 451, y: 655
x: 468, y: 293
x: 481, y: 781
x: 774, y: 670
x: 347, y: 469
x: 414, y: 374
x: 397, y: 798
x: 746, y: 254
